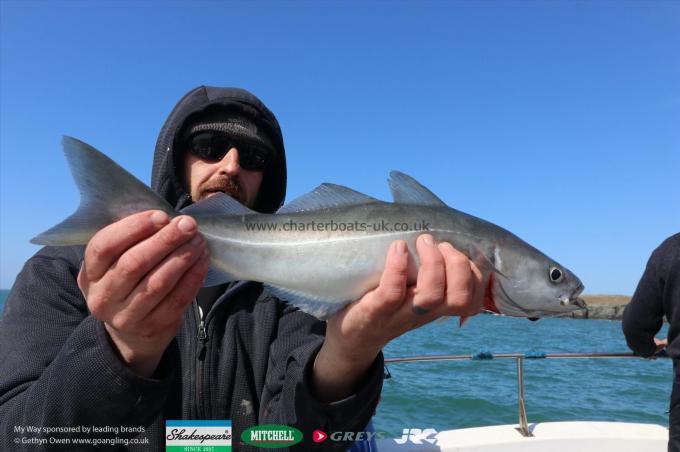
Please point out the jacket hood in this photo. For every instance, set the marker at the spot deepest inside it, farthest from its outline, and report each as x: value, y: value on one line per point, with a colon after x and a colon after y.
x: 166, y: 179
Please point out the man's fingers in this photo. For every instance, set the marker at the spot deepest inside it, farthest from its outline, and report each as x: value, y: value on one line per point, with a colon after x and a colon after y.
x: 129, y: 270
x: 107, y: 245
x: 169, y: 313
x: 431, y: 285
x: 159, y: 283
x: 481, y: 281
x: 464, y: 291
x: 392, y: 288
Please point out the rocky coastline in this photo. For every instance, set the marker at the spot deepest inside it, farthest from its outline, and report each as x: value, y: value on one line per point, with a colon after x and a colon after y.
x: 607, y: 307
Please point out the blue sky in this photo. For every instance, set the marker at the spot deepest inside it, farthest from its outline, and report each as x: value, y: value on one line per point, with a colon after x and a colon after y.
x: 556, y: 120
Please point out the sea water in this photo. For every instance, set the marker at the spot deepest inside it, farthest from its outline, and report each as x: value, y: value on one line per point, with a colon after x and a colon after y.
x: 458, y: 394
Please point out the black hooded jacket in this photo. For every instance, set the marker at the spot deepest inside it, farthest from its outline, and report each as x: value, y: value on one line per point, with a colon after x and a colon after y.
x: 249, y: 358
x: 657, y: 295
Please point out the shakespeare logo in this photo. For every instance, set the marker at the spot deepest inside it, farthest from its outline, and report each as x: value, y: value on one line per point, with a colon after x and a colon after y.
x: 198, y: 436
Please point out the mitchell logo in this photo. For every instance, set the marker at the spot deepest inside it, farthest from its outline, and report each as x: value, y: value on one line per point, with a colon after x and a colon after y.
x: 271, y: 436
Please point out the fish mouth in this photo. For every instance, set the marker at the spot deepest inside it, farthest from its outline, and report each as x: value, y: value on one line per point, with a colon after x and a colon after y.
x: 573, y: 300
x: 580, y: 302
x: 577, y: 300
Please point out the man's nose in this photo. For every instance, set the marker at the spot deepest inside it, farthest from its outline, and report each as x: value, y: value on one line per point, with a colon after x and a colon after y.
x: 230, y: 163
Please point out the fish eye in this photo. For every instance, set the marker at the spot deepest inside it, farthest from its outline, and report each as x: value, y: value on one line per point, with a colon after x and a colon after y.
x: 556, y: 275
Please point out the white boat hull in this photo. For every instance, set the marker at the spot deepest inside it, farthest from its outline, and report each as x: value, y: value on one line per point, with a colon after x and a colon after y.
x: 547, y: 437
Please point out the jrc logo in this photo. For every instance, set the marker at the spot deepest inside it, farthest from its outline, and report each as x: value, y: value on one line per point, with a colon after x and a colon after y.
x: 271, y: 436
x: 417, y: 436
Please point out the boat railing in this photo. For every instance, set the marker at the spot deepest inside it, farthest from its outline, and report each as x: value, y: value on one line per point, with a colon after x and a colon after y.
x: 519, y: 358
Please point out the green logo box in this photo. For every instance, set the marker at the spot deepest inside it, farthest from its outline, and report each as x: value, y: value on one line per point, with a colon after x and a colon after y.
x: 271, y: 436
x: 198, y: 436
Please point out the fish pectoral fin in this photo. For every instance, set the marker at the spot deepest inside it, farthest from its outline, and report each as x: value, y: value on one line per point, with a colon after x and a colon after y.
x: 407, y: 190
x: 490, y: 307
x: 319, y: 307
x: 219, y: 203
x: 216, y: 277
x: 326, y: 196
x: 483, y: 263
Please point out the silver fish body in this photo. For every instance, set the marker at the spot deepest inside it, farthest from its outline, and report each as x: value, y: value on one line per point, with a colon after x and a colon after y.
x: 327, y: 248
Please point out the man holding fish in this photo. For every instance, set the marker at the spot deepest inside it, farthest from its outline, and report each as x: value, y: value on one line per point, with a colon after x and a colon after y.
x: 121, y: 332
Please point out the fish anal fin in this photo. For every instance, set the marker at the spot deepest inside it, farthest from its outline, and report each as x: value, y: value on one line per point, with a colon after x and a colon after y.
x: 216, y: 277
x: 321, y: 308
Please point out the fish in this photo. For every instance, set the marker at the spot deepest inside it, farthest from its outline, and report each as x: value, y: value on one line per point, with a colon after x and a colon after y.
x: 328, y: 247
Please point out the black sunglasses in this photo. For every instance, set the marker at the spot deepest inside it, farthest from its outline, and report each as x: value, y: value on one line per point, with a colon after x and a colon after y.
x: 213, y: 146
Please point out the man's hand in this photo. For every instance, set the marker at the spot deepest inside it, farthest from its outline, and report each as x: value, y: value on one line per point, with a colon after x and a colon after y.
x: 448, y: 284
x: 138, y: 277
x: 660, y: 345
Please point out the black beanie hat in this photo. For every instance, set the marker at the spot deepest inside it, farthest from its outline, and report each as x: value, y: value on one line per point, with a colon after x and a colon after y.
x: 238, y: 127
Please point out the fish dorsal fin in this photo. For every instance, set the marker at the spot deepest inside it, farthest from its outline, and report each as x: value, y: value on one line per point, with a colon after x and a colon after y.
x: 407, y: 190
x: 326, y: 196
x: 219, y: 203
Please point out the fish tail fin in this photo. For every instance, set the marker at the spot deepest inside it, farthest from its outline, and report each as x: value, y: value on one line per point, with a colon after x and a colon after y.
x: 108, y: 193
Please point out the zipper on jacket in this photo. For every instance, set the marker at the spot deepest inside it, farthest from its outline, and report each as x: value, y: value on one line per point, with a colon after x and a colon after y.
x: 184, y: 201
x: 202, y: 339
x: 202, y: 336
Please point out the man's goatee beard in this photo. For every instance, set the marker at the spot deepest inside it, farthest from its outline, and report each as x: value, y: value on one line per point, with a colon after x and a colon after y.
x: 228, y: 185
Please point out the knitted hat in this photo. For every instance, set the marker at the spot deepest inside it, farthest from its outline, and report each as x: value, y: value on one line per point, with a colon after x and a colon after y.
x: 238, y: 127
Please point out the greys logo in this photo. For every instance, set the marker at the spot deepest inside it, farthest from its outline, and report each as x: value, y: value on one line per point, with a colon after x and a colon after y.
x: 319, y: 436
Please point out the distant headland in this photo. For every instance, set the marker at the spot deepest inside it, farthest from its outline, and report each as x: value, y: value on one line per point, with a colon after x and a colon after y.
x: 609, y: 307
